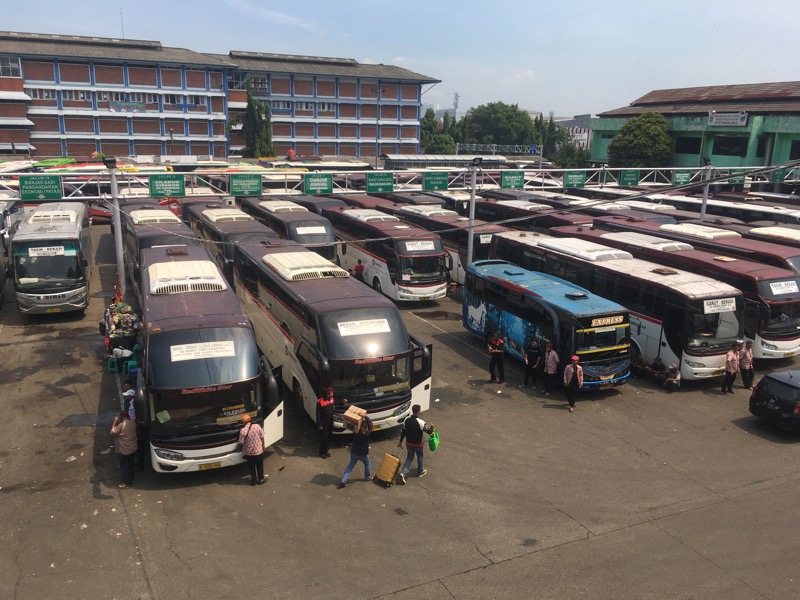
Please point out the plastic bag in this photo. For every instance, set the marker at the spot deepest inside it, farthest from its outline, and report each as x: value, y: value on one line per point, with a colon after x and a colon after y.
x: 433, y: 440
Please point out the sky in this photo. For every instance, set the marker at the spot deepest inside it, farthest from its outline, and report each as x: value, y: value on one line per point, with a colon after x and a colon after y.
x: 565, y: 57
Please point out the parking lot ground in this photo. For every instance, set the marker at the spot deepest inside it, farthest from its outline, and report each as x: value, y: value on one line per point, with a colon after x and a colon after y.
x: 637, y: 494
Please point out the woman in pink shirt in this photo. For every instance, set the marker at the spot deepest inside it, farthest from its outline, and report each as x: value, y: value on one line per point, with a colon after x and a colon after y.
x: 746, y: 365
x: 251, y: 439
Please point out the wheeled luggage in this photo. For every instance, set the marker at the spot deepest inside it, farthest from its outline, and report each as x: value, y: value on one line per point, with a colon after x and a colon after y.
x: 389, y: 468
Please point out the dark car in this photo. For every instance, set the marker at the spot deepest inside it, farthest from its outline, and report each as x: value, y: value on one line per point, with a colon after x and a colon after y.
x: 776, y: 399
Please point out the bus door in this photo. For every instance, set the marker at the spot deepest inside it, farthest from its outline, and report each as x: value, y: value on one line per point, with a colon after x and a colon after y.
x: 421, y: 367
x: 272, y: 405
x: 752, y: 319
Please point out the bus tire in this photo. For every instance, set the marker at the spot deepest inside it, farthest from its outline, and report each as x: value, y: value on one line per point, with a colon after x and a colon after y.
x: 376, y: 285
x: 297, y: 394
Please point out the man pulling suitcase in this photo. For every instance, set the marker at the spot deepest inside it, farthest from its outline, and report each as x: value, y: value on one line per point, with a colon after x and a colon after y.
x: 413, y: 428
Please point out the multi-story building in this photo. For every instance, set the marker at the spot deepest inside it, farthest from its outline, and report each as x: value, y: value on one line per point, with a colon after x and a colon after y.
x: 330, y: 106
x: 63, y: 95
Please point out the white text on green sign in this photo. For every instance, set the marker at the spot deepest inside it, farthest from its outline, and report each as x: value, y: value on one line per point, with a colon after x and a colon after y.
x: 318, y: 183
x: 512, y: 180
x: 380, y: 182
x: 574, y: 179
x: 167, y: 185
x: 245, y: 184
x: 39, y: 187
x: 435, y: 181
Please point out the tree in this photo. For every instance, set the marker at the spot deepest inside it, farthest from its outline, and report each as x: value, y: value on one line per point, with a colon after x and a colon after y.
x: 441, y: 143
x: 446, y: 123
x: 497, y: 123
x: 256, y: 127
x: 570, y: 156
x: 428, y: 127
x: 642, y: 142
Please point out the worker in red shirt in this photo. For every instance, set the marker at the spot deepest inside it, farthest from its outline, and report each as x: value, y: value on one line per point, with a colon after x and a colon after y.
x: 358, y: 271
x: 325, y: 410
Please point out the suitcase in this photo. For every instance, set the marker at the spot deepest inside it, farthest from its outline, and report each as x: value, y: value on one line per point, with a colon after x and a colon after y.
x: 390, y: 466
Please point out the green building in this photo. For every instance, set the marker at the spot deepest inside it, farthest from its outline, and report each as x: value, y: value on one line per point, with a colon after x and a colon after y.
x: 732, y: 125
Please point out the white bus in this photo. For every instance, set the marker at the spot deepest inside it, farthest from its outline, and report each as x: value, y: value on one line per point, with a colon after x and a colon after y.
x: 687, y: 319
x: 50, y: 250
x: 321, y: 328
x: 400, y: 260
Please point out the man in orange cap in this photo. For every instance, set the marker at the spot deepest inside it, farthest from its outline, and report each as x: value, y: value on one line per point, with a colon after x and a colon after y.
x: 573, y: 379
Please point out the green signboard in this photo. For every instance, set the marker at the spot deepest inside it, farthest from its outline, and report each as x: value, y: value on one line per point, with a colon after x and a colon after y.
x: 40, y: 187
x: 318, y: 183
x: 435, y: 180
x: 245, y: 184
x: 512, y: 180
x: 167, y: 184
x: 681, y: 177
x: 736, y: 179
x: 379, y: 181
x: 629, y: 177
x: 777, y: 176
x: 574, y: 179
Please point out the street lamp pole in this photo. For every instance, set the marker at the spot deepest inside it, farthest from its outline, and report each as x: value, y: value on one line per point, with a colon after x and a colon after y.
x: 111, y: 164
x: 471, y: 230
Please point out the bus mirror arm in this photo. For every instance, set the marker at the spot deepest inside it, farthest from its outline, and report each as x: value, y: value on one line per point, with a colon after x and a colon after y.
x: 84, y: 263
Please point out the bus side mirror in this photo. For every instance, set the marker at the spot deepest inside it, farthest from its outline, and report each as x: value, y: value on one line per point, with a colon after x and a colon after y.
x: 84, y: 263
x: 343, y: 245
x: 449, y: 262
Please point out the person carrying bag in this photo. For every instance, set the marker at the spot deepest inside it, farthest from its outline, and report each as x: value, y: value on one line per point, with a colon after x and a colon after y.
x: 251, y: 439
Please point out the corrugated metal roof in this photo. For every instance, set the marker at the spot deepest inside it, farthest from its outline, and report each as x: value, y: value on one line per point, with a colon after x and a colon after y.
x: 774, y: 97
x: 783, y: 106
x: 49, y: 45
x: 317, y: 65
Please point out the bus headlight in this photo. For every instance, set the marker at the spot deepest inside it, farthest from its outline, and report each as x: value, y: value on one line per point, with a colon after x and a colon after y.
x: 695, y: 365
x: 168, y: 454
x: 767, y: 346
x: 402, y: 409
x: 79, y: 297
x: 24, y: 302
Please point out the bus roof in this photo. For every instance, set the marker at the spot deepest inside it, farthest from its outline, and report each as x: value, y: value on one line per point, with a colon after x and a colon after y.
x: 549, y: 288
x: 384, y: 225
x: 685, y: 282
x: 681, y: 252
x: 55, y: 219
x: 320, y: 295
x: 196, y: 295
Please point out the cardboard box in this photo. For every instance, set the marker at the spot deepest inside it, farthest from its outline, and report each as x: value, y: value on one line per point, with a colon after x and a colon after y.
x: 353, y: 417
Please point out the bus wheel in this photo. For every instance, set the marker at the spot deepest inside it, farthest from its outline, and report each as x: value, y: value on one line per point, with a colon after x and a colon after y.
x: 376, y: 285
x: 298, y: 396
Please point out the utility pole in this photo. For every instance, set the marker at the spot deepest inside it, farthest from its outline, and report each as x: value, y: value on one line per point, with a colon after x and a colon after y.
x: 378, y: 91
x: 111, y: 164
x: 476, y: 162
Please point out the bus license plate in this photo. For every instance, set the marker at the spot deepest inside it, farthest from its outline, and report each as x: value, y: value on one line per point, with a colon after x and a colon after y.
x: 53, y: 310
x: 376, y: 427
x: 788, y: 355
x: 208, y: 466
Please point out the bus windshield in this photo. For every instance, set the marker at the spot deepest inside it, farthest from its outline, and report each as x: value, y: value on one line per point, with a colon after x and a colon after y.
x: 783, y: 318
x: 363, y: 333
x: 712, y: 330
x: 422, y: 268
x: 597, y: 343
x: 51, y: 262
x: 188, y: 409
x: 194, y: 358
x: 367, y: 377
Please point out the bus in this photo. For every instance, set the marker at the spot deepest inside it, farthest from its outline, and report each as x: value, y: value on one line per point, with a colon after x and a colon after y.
x: 771, y: 294
x: 201, y: 370
x: 524, y: 305
x: 293, y: 222
x: 149, y: 226
x: 400, y: 259
x: 50, y: 250
x: 219, y: 228
x: 713, y: 238
x: 685, y: 318
x: 453, y: 229
x: 738, y: 210
x: 315, y: 203
x: 417, y: 198
x: 321, y: 328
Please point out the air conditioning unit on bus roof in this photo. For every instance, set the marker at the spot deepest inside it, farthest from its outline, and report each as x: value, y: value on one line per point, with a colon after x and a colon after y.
x: 185, y: 276
x: 143, y: 217
x: 700, y: 231
x: 642, y: 240
x: 53, y: 216
x: 428, y: 211
x: 226, y: 215
x: 297, y: 266
x: 281, y: 206
x: 584, y: 250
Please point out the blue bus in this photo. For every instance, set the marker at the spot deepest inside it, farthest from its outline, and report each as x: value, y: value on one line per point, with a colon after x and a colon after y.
x: 522, y: 305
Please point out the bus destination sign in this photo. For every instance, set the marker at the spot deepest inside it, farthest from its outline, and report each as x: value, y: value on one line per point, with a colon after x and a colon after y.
x: 380, y: 181
x: 168, y: 184
x: 40, y: 187
x: 318, y: 183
